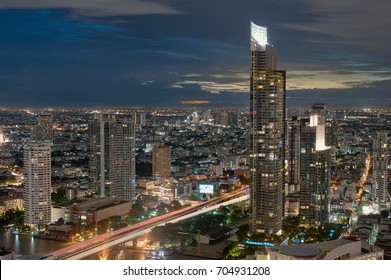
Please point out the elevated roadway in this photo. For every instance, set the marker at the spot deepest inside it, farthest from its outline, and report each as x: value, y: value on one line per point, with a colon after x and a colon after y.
x: 121, y: 236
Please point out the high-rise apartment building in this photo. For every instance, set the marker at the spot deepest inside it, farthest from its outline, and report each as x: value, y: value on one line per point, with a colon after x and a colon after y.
x: 112, y: 155
x: 2, y: 138
x: 267, y: 135
x: 379, y: 169
x: 43, y: 130
x: 207, y: 116
x: 315, y: 168
x: 161, y: 161
x: 37, y: 191
x: 141, y: 119
x: 293, y: 145
x: 232, y: 119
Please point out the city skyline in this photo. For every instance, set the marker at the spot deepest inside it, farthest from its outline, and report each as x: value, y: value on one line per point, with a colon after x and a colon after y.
x: 208, y: 146
x: 171, y: 53
x: 145, y: 129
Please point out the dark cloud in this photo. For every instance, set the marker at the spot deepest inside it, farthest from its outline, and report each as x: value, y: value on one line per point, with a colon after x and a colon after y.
x: 161, y: 52
x: 99, y: 8
x: 373, y: 95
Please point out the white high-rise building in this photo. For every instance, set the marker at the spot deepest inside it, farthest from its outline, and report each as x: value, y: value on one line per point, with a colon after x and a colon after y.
x: 2, y: 140
x: 37, y: 192
x: 141, y: 119
x: 380, y: 172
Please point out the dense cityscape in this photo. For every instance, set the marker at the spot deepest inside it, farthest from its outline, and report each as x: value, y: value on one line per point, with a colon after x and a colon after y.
x: 184, y: 157
x: 264, y: 182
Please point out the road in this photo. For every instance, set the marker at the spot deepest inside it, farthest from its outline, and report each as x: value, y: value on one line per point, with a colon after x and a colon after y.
x: 121, y: 236
x: 360, y: 189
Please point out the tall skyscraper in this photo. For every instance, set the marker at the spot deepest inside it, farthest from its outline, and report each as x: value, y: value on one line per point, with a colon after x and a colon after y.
x: 2, y: 139
x: 224, y: 118
x: 315, y: 168
x: 112, y: 155
x: 207, y: 116
x: 161, y: 161
x: 267, y: 135
x: 379, y: 169
x: 293, y: 145
x: 43, y: 130
x: 37, y: 191
x: 141, y: 119
x: 232, y: 119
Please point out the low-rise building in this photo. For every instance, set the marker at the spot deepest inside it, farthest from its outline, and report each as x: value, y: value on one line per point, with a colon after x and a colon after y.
x: 340, y: 249
x: 10, y: 199
x: 97, y: 209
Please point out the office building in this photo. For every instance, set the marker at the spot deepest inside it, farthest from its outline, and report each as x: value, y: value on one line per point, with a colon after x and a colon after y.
x: 112, y: 155
x: 37, y: 190
x: 315, y: 169
x: 267, y: 135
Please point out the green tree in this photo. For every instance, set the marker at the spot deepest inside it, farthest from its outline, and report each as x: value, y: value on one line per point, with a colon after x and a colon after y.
x: 7, y: 179
x: 193, y: 198
x: 243, y: 180
x: 166, y: 235
x: 12, y: 216
x: 162, y: 208
x: 243, y: 232
x: 223, y: 210
x: 58, y: 198
x: 225, y: 187
x: 175, y: 205
x: 138, y: 212
x: 232, y: 252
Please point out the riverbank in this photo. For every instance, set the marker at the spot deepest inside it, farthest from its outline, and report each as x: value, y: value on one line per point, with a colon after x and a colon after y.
x: 18, y: 232
x: 53, y: 237
x: 27, y: 244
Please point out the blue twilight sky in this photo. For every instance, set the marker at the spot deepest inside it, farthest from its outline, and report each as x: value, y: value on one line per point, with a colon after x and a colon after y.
x: 169, y: 52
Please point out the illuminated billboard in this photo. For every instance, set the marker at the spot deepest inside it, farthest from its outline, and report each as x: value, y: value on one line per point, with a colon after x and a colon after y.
x: 206, y: 188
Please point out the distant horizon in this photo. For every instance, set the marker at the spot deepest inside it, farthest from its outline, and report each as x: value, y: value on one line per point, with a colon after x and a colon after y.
x: 111, y: 108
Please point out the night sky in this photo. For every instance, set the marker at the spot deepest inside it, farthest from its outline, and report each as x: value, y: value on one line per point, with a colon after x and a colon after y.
x: 86, y: 53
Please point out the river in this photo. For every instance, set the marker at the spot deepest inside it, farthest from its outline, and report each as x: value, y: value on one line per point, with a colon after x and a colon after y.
x: 28, y: 245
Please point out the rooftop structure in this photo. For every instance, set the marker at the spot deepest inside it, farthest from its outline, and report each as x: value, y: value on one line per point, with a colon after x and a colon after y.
x: 340, y: 249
